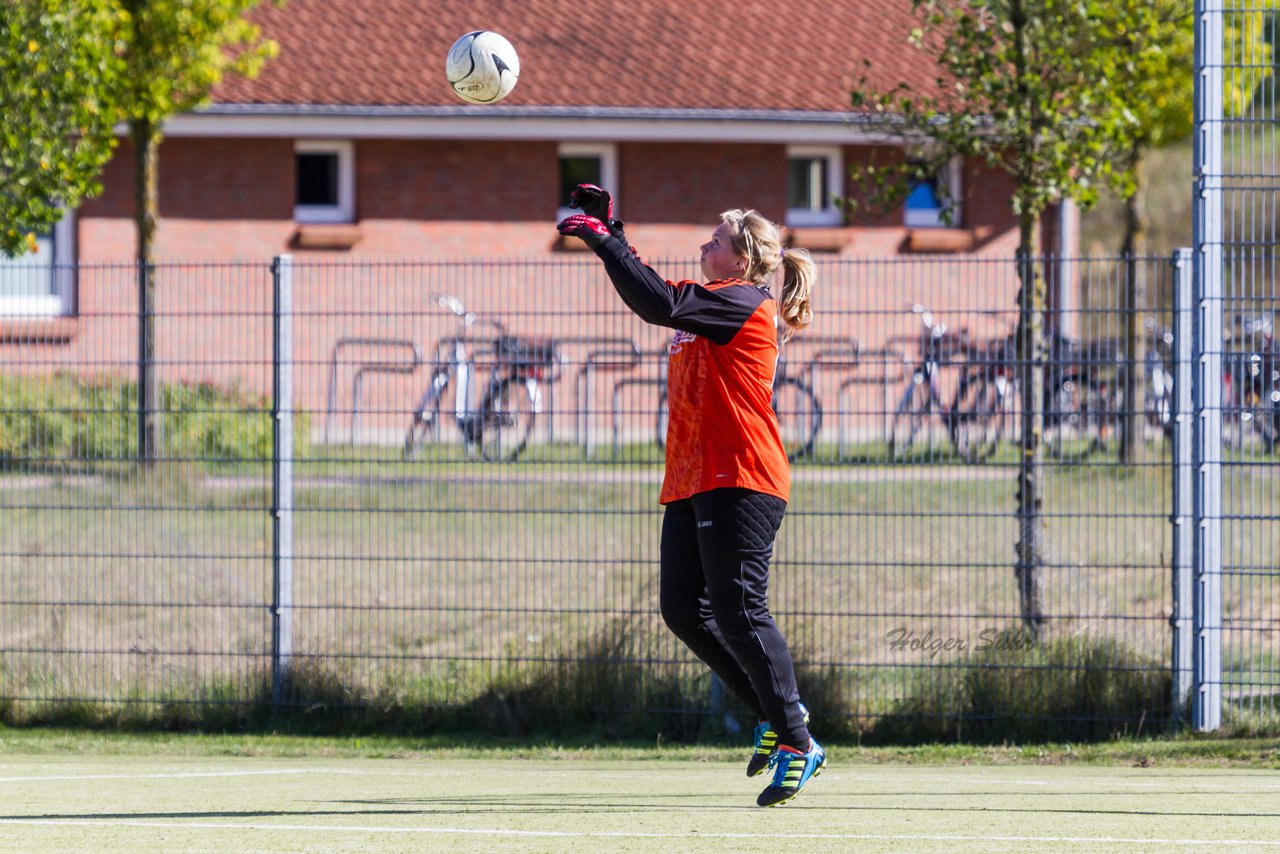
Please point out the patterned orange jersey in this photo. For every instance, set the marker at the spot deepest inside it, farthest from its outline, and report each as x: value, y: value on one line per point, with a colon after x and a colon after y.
x: 722, y: 430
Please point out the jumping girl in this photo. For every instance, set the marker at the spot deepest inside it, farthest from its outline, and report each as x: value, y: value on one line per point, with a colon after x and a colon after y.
x: 727, y: 479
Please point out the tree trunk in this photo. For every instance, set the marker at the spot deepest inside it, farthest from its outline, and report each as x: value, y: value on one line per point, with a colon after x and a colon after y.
x: 1135, y: 229
x: 1031, y: 306
x: 143, y: 134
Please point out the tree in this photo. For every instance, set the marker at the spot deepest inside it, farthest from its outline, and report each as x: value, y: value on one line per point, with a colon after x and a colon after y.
x: 59, y: 70
x: 1157, y: 41
x: 176, y: 51
x: 1029, y: 88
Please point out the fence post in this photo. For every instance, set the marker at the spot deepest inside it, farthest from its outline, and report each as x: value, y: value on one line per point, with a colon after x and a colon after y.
x: 1207, y: 235
x: 1181, y: 619
x: 281, y: 476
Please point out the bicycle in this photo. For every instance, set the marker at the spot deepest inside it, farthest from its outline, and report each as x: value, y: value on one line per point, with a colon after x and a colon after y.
x: 799, y: 412
x: 500, y: 425
x: 1158, y: 373
x: 921, y: 398
x: 795, y: 404
x: 1251, y: 385
x: 1080, y: 400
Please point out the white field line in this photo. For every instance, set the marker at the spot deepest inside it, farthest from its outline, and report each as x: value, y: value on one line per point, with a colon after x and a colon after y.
x: 1173, y: 785
x: 1179, y: 787
x: 565, y: 834
x: 177, y: 775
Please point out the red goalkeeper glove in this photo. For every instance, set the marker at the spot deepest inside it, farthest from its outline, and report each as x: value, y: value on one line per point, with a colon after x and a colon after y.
x: 592, y: 201
x: 590, y: 229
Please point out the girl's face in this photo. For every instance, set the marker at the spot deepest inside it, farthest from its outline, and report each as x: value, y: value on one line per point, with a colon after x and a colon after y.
x: 719, y: 260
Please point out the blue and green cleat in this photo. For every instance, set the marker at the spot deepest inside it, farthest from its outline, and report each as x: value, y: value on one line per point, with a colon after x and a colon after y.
x: 792, y: 769
x: 766, y: 744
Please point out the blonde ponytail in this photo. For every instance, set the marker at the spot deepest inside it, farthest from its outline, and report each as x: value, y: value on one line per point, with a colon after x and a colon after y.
x: 798, y: 275
x: 759, y: 241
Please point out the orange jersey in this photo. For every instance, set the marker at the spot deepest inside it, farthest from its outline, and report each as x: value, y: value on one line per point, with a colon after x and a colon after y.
x: 722, y: 430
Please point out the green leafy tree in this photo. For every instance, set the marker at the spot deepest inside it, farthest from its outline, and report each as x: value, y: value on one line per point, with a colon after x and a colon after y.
x: 59, y: 69
x: 1156, y: 61
x: 176, y: 51
x: 1027, y: 87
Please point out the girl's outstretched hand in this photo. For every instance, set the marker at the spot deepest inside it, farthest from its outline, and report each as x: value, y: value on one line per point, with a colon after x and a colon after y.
x: 590, y: 229
x: 592, y: 201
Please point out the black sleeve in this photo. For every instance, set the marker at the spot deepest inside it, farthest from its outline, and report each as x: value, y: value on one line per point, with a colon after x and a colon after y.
x: 717, y: 315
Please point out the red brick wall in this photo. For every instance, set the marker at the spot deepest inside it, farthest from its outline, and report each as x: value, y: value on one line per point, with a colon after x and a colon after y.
x: 442, y: 181
x: 232, y: 199
x: 228, y: 202
x: 206, y: 179
x: 693, y: 182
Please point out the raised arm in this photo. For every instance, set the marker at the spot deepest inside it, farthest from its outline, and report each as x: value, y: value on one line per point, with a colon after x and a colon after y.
x: 715, y: 314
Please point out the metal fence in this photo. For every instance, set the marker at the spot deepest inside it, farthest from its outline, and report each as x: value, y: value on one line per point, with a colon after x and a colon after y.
x: 1235, y: 303
x: 432, y: 485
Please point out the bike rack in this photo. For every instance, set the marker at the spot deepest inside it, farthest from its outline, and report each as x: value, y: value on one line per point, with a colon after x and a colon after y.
x: 660, y: 382
x: 406, y: 366
x: 885, y: 358
x: 830, y: 352
x: 611, y: 354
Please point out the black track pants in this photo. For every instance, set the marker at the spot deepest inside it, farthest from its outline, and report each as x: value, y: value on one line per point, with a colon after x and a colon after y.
x: 715, y: 578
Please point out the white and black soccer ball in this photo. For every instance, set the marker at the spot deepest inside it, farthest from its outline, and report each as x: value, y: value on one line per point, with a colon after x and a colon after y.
x: 482, y: 67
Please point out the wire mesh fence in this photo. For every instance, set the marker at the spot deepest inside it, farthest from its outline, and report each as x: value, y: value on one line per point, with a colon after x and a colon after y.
x: 1238, y: 175
x: 475, y: 462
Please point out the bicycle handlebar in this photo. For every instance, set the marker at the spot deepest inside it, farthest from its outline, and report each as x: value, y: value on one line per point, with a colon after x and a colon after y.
x: 467, y: 318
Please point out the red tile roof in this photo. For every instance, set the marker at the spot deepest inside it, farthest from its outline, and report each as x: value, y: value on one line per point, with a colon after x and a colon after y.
x: 664, y: 54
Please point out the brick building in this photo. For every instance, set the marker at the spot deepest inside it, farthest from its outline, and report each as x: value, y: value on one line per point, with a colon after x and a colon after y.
x: 350, y: 147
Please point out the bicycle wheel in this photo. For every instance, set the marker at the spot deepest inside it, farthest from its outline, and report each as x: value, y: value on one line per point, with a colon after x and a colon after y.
x: 1159, y: 409
x: 425, y: 413
x: 1079, y: 420
x: 977, y: 418
x: 799, y: 416
x: 908, y: 418
x: 505, y: 418
x: 1105, y: 405
x: 420, y: 427
x: 1242, y: 420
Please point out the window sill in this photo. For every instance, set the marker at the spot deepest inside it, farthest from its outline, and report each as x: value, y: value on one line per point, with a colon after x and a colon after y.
x: 39, y: 330
x: 326, y: 237
x: 939, y: 240
x: 817, y: 239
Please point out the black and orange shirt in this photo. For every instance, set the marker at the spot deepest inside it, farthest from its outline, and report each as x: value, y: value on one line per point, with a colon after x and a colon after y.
x: 722, y: 430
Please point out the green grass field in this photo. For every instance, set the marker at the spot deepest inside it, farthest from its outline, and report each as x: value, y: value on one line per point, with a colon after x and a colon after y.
x: 69, y: 791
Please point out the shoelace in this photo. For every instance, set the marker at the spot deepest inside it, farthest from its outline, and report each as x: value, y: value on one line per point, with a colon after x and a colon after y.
x: 777, y: 759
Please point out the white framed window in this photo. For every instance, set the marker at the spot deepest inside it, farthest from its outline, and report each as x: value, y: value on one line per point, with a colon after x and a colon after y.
x: 586, y: 163
x: 41, y: 283
x: 815, y: 176
x: 929, y: 199
x: 326, y: 181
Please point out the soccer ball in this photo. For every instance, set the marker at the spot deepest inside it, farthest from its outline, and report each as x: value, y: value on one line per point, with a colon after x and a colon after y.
x: 482, y: 67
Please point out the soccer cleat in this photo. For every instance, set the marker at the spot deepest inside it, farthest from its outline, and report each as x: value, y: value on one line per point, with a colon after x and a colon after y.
x: 792, y: 769
x: 766, y: 743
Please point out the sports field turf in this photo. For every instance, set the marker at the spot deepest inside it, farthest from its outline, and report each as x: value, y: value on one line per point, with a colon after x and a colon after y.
x: 187, y: 800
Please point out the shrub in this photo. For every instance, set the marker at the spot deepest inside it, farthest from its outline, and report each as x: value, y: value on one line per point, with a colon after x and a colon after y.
x: 606, y: 684
x: 71, y: 418
x: 1072, y: 688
